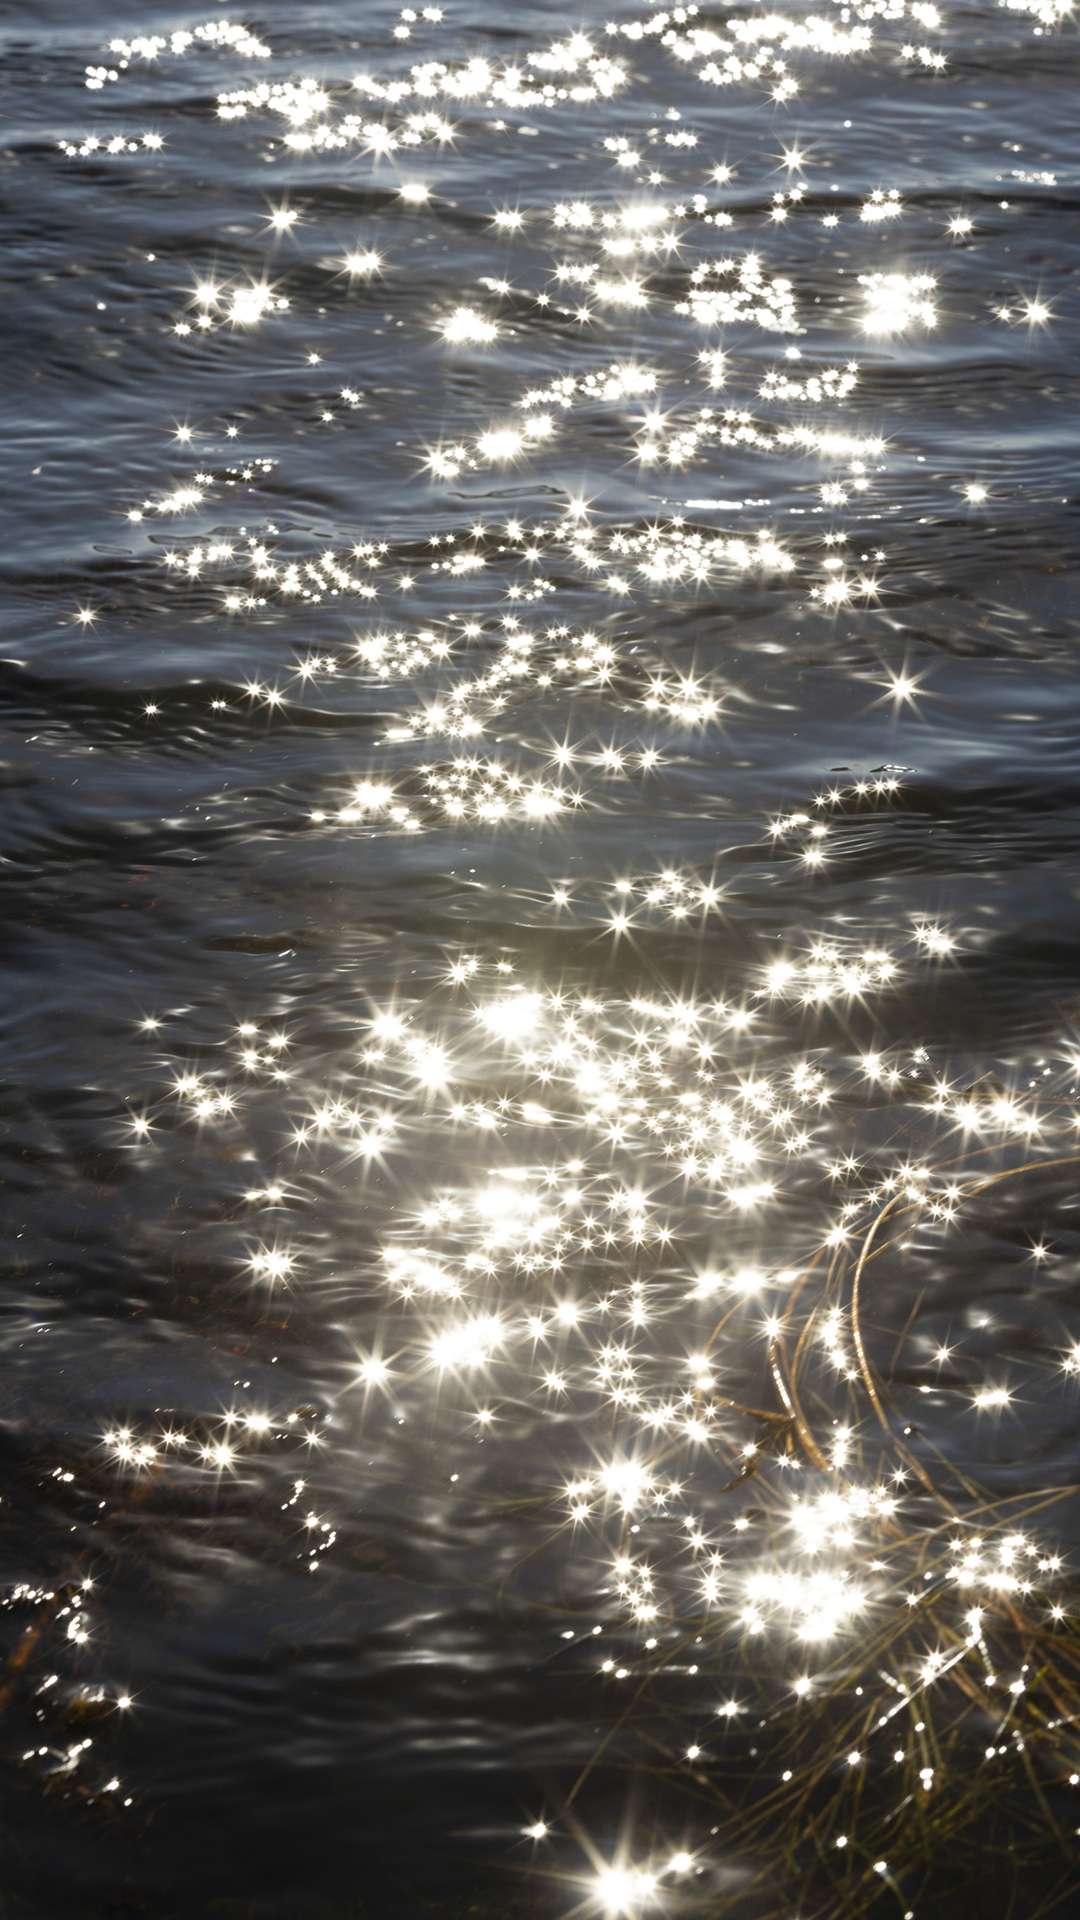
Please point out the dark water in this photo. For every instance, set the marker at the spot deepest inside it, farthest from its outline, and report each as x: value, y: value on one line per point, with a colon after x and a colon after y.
x: 360, y: 1715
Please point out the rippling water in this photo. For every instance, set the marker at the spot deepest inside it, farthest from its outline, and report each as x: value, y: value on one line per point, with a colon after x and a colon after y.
x: 540, y: 752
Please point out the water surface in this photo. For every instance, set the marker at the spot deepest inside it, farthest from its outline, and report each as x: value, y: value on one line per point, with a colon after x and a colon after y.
x: 467, y: 527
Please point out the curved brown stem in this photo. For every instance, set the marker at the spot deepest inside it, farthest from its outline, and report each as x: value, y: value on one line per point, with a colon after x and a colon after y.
x: 864, y: 1362
x: 794, y: 1409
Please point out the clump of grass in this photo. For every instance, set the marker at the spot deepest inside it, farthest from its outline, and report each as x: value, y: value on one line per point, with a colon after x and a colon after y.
x: 922, y: 1755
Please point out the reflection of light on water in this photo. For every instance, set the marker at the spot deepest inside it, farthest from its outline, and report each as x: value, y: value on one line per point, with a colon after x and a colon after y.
x: 662, y: 1103
x: 897, y: 300
x: 624, y: 1889
x: 517, y: 1015
x: 643, y: 1168
x: 470, y: 1344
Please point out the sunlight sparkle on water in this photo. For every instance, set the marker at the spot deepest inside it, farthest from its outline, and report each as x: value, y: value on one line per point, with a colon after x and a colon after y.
x: 633, y: 1214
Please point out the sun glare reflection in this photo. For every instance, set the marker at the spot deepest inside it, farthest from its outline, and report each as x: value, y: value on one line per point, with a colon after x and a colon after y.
x: 655, y: 1199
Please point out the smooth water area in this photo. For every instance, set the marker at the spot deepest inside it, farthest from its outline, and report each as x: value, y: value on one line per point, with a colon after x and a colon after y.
x: 540, y: 723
